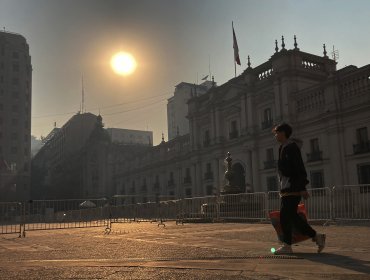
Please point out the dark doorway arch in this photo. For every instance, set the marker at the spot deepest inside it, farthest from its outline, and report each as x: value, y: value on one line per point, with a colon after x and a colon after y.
x: 239, y: 175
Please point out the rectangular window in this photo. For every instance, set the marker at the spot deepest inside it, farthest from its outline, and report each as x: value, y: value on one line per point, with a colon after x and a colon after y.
x: 187, y: 172
x: 267, y: 119
x: 13, y: 167
x: 234, y: 133
x: 317, y: 179
x: 272, y: 183
x: 15, y: 81
x: 208, y: 167
x: 233, y: 126
x: 16, y: 67
x: 209, y: 190
x: 362, y: 135
x: 364, y: 177
x: 187, y: 178
x: 314, y: 145
x: 188, y: 192
x: 267, y: 115
x: 207, y: 139
x: 270, y: 154
x: 363, y: 173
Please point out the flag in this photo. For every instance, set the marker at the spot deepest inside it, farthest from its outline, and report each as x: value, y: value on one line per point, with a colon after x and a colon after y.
x: 205, y: 78
x: 236, y: 49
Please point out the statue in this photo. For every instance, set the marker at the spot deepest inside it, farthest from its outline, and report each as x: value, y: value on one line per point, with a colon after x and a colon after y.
x: 230, y: 187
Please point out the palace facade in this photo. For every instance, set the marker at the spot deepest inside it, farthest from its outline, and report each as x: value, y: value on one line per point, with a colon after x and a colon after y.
x: 329, y: 110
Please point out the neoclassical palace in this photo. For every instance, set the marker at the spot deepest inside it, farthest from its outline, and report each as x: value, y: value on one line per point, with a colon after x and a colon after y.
x: 329, y: 110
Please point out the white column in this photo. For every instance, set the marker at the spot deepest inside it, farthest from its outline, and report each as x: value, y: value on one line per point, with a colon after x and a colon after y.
x: 243, y: 116
x: 216, y: 176
x: 249, y: 112
x: 255, y: 167
x: 249, y: 171
x: 213, y: 126
x: 217, y: 125
x: 277, y: 95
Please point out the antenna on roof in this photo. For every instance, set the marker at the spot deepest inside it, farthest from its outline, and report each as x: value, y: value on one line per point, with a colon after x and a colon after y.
x: 83, y: 96
x: 209, y: 66
x: 335, y: 54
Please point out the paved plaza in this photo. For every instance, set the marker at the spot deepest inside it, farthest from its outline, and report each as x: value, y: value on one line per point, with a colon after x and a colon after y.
x: 189, y: 251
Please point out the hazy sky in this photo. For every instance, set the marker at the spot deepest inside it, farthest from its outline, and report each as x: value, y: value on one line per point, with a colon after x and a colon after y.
x: 172, y: 41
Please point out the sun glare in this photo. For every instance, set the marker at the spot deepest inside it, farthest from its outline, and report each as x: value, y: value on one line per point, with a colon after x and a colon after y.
x: 123, y: 63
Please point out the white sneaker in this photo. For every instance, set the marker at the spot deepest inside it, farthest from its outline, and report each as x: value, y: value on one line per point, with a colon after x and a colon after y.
x: 320, y: 241
x: 284, y: 250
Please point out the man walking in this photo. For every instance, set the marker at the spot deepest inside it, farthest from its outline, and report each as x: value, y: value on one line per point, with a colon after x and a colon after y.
x: 293, y: 181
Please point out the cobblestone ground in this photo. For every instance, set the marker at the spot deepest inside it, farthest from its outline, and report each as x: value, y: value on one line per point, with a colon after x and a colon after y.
x: 189, y: 251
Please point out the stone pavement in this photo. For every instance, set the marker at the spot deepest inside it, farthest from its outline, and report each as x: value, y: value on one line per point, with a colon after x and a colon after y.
x: 189, y: 251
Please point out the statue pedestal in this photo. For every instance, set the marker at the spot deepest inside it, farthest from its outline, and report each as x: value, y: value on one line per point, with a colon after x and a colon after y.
x: 228, y: 189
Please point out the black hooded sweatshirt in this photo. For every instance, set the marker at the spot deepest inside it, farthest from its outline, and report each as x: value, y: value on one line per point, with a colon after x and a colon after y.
x: 290, y: 164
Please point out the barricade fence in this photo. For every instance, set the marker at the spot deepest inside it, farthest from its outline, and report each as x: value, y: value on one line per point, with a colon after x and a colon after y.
x: 325, y: 204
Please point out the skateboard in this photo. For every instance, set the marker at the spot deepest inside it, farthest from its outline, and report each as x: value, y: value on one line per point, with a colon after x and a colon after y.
x: 296, y: 236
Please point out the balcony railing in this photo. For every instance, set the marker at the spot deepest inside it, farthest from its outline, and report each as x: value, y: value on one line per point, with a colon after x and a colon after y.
x: 208, y: 175
x: 314, y: 156
x: 234, y: 134
x: 269, y: 164
x: 267, y: 124
x: 361, y: 148
x: 187, y: 180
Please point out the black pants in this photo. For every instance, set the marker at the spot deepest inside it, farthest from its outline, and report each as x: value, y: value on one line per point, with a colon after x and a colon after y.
x: 289, y: 218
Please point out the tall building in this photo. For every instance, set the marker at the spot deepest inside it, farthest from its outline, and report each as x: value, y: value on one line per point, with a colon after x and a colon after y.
x: 59, y: 169
x: 15, y: 116
x: 329, y: 110
x: 78, y: 160
x: 177, y: 108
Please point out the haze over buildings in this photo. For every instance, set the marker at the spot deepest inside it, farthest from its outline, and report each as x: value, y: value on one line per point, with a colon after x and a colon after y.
x: 173, y: 41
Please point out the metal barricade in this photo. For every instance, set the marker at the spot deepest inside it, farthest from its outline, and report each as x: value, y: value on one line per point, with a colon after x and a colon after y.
x: 273, y: 201
x: 198, y: 209
x: 168, y: 210
x: 11, y: 218
x: 60, y: 214
x: 351, y: 202
x: 245, y: 206
x: 124, y: 213
x: 318, y: 205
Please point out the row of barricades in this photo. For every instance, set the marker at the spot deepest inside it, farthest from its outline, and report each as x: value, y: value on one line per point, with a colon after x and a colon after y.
x: 337, y: 203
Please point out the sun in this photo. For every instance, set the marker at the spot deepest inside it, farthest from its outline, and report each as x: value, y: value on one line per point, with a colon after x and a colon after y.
x: 123, y: 63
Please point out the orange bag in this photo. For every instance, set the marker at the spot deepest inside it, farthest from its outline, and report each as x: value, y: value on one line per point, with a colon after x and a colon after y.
x: 296, y: 235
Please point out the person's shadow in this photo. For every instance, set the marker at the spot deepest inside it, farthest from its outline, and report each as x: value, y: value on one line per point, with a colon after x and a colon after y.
x: 337, y: 260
